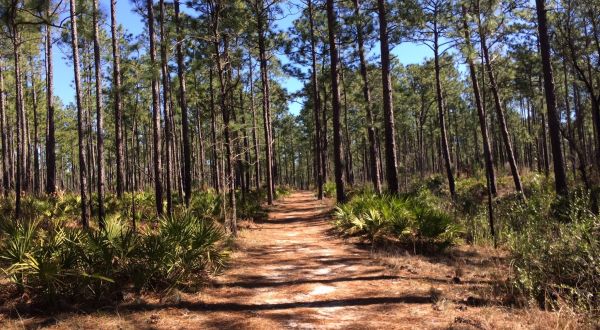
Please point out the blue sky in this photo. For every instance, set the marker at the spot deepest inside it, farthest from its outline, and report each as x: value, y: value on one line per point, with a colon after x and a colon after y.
x: 408, y: 53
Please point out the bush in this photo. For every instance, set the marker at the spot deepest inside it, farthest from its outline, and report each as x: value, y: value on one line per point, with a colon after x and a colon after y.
x: 558, y: 257
x: 329, y: 189
x: 283, y: 191
x: 57, y: 260
x: 249, y: 205
x: 412, y: 218
x: 206, y: 204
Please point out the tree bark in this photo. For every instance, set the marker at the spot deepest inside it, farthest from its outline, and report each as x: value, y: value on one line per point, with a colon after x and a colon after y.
x: 499, y: 110
x: 254, y: 127
x: 158, y: 189
x: 99, y: 118
x: 388, y: 108
x: 335, y: 104
x: 373, y: 160
x: 316, y: 105
x: 441, y: 112
x: 489, y: 162
x: 166, y: 107
x: 560, y: 177
x: 6, y: 184
x: 266, y: 103
x: 120, y: 175
x: 80, y: 129
x: 187, y: 157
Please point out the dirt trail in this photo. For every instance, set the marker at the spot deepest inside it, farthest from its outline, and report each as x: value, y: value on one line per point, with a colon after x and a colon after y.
x: 291, y: 272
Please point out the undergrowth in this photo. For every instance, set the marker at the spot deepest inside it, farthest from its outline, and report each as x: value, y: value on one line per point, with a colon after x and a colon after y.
x: 47, y: 255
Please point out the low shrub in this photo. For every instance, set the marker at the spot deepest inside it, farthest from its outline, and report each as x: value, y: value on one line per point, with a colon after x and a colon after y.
x: 408, y: 218
x: 283, y: 191
x: 56, y: 260
x: 249, y: 205
x: 329, y: 189
x: 557, y: 258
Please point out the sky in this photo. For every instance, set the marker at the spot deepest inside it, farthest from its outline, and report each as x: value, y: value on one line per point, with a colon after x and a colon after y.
x: 407, y: 53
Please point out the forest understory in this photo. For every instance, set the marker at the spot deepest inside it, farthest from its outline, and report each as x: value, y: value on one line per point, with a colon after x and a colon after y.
x: 293, y: 271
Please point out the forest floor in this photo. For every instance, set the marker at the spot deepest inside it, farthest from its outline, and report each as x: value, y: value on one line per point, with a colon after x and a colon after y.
x: 293, y: 271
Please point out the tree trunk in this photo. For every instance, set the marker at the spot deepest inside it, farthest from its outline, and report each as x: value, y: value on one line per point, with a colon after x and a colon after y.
x: 50, y: 129
x: 187, y: 157
x: 335, y: 104
x: 500, y: 111
x: 80, y: 129
x: 6, y: 184
x: 254, y: 127
x: 36, y: 155
x: 441, y: 112
x: 117, y: 99
x: 388, y: 109
x: 489, y: 162
x: 316, y: 105
x: 158, y: 190
x: 560, y: 177
x: 99, y: 118
x: 215, y: 162
x: 264, y: 74
x: 373, y: 161
x: 166, y: 107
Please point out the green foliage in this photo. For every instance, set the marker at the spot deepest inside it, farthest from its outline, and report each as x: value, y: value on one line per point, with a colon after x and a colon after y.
x: 329, y: 189
x: 558, y: 256
x: 403, y: 218
x: 249, y: 205
x: 205, y: 204
x: 51, y: 259
x: 283, y: 191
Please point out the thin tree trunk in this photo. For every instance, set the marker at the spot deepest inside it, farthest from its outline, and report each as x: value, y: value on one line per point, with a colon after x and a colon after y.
x: 6, y: 184
x: 99, y: 118
x: 388, y: 109
x: 80, y: 129
x: 489, y: 162
x: 187, y: 157
x: 166, y: 106
x: 117, y: 99
x: 254, y: 127
x: 36, y: 155
x: 158, y: 190
x: 337, y: 130
x: 441, y: 111
x: 215, y: 162
x: 560, y: 177
x: 266, y: 103
x: 316, y: 105
x: 500, y: 111
x: 368, y: 106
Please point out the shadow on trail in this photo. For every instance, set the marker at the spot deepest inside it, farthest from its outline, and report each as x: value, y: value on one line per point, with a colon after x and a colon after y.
x: 257, y: 284
x: 238, y: 307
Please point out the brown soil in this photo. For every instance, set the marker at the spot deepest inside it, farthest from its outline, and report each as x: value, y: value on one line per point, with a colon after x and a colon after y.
x: 292, y: 271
